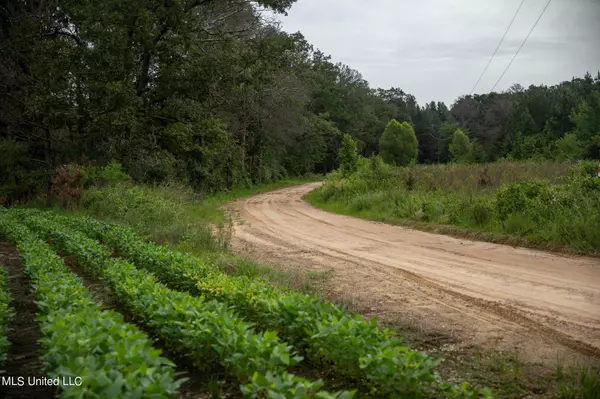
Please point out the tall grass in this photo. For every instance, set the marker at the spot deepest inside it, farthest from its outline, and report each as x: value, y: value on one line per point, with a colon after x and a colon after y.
x: 465, y: 177
x: 170, y: 213
x: 541, y: 204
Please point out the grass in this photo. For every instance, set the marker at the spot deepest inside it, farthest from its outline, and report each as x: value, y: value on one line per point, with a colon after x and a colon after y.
x: 175, y: 215
x: 465, y: 177
x: 504, y: 203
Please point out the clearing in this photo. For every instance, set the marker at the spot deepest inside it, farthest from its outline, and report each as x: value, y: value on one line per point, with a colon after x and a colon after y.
x: 545, y: 306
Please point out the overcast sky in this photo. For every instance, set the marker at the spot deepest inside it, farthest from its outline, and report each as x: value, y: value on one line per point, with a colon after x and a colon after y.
x: 436, y: 49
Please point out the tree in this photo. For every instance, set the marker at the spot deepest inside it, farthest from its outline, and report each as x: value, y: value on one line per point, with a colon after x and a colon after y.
x: 587, y: 124
x: 442, y: 139
x: 398, y: 144
x: 461, y: 147
x: 569, y: 148
x: 348, y: 155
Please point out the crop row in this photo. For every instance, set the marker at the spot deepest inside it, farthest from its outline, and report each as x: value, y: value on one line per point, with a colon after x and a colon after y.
x: 206, y: 332
x: 113, y: 359
x: 325, y: 333
x: 6, y: 314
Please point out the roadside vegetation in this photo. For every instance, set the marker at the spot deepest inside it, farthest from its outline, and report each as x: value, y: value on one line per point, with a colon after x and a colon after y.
x: 545, y: 204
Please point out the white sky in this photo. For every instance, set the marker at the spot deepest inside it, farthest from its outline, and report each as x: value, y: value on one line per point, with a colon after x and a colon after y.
x: 436, y: 49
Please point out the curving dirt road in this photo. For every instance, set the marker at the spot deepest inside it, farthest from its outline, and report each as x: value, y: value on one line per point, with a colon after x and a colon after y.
x: 478, y: 293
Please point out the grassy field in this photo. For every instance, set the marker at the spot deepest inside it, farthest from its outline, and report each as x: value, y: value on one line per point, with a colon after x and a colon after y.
x: 543, y: 205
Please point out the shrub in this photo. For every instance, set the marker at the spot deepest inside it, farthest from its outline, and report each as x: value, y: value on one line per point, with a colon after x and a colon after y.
x: 398, y: 144
x: 102, y: 175
x: 410, y: 181
x: 568, y: 148
x: 515, y: 198
x: 483, y: 179
x: 481, y: 212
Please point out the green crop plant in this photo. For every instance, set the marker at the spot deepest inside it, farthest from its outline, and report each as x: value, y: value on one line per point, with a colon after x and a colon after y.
x: 6, y: 314
x: 206, y: 332
x: 114, y: 359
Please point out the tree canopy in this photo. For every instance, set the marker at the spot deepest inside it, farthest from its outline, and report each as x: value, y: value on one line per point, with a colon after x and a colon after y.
x: 213, y: 94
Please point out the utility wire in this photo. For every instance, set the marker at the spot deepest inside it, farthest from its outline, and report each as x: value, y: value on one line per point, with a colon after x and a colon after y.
x: 498, y: 47
x: 522, y: 44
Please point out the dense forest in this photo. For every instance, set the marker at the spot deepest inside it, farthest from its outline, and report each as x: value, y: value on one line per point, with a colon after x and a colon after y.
x: 214, y: 94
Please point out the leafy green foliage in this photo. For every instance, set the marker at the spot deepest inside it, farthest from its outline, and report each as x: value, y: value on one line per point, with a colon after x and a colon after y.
x: 461, y: 147
x: 101, y: 175
x: 206, y: 332
x: 348, y: 155
x: 287, y: 387
x: 513, y: 198
x: 6, y: 314
x: 398, y: 145
x: 79, y: 339
x: 568, y: 148
x: 206, y: 93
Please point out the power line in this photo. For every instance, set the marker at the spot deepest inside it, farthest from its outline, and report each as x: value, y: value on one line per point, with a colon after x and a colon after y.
x: 522, y: 44
x: 498, y: 47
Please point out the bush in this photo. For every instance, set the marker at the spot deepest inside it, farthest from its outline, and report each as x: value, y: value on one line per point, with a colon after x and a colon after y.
x: 568, y: 148
x: 481, y: 211
x: 509, y: 198
x: 102, y: 175
x: 514, y: 198
x: 398, y: 145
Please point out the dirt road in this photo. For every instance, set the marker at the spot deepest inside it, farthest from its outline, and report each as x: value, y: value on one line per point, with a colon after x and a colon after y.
x: 547, y: 305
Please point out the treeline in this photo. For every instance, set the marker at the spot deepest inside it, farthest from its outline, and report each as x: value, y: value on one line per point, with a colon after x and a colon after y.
x: 211, y: 93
